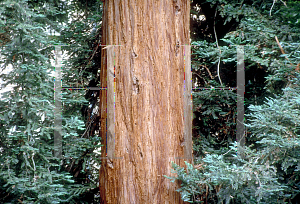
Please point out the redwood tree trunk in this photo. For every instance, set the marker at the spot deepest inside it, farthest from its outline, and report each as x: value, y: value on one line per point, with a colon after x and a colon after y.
x: 149, y: 107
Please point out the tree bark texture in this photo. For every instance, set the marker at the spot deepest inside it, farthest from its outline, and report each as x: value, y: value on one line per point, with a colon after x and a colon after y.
x: 145, y: 127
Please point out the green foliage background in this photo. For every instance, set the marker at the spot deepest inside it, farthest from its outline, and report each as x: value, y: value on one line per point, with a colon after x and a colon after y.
x: 29, y: 173
x: 269, y: 172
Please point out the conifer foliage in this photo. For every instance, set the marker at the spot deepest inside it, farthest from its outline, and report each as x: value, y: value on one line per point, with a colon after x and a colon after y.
x: 269, y: 172
x: 29, y: 173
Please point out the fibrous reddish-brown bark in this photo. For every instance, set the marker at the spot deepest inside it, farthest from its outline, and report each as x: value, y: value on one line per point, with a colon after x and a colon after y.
x: 149, y: 112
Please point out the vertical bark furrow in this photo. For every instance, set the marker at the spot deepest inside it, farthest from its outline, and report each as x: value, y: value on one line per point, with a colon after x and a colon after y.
x: 149, y: 99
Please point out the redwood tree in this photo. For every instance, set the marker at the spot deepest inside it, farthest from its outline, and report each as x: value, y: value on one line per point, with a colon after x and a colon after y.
x: 145, y: 127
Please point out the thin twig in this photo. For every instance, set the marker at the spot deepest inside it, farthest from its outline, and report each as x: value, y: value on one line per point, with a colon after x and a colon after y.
x: 274, y: 1
x: 218, y: 71
x: 272, y: 6
x: 211, y: 77
x: 282, y: 51
x: 91, y: 56
x: 283, y: 3
x: 200, y: 77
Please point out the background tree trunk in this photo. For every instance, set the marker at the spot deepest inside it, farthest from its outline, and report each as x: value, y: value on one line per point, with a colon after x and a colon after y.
x: 149, y: 112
